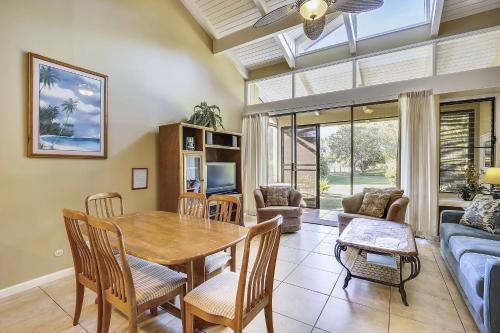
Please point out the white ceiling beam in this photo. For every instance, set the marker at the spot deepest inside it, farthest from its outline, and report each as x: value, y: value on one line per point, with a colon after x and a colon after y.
x: 305, y: 83
x: 251, y: 35
x: 200, y: 18
x: 237, y: 63
x: 436, y: 13
x: 350, y: 27
x: 286, y: 49
x: 261, y: 6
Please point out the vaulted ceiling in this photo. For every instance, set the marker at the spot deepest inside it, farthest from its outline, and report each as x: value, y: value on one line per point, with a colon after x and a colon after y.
x: 229, y: 23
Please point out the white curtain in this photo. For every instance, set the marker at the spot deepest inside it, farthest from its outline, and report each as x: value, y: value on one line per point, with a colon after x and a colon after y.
x: 419, y: 160
x: 254, y: 157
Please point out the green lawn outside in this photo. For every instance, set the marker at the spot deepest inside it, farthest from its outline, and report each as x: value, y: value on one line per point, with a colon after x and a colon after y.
x: 372, y: 178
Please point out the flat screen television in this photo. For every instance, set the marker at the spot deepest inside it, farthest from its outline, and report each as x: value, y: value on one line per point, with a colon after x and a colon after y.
x: 221, y: 177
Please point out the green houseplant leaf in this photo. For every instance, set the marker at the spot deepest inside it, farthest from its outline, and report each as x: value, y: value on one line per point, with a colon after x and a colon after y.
x: 207, y: 116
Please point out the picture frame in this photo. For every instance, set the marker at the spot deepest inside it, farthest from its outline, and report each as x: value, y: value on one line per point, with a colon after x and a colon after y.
x: 68, y: 110
x: 140, y: 178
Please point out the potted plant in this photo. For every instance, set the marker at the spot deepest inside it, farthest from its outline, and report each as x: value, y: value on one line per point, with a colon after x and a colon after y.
x: 207, y: 116
x: 471, y: 187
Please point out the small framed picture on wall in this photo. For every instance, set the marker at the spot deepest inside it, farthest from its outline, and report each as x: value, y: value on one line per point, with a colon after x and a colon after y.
x: 139, y: 178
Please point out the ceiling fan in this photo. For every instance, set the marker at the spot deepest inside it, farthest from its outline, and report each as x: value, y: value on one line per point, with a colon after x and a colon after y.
x: 314, y: 12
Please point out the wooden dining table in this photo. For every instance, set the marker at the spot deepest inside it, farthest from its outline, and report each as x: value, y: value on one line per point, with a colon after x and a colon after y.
x: 173, y: 240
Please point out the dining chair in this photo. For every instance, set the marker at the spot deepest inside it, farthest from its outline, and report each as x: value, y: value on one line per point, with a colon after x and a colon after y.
x: 233, y: 300
x: 83, y: 261
x: 104, y: 205
x: 130, y: 284
x: 192, y: 204
x: 224, y: 206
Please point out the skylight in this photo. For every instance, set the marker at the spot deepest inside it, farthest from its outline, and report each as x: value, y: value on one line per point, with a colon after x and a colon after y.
x: 393, y: 15
x: 338, y: 36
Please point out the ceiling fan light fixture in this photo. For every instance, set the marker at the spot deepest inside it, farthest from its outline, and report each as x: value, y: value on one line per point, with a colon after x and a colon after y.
x: 313, y: 9
x: 314, y: 28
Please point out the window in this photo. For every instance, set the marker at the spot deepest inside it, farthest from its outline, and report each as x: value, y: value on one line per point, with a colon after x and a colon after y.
x: 336, y: 37
x: 393, y: 15
x: 466, y: 138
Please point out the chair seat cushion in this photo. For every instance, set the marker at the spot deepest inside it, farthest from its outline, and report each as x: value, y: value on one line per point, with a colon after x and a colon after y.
x: 285, y: 211
x: 153, y: 281
x: 216, y: 296
x: 473, y: 265
x: 459, y: 245
x: 216, y: 261
x: 447, y: 230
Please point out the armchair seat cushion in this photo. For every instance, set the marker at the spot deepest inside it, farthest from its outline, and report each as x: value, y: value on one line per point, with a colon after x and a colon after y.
x: 285, y: 211
x: 474, y: 264
x: 350, y: 216
x: 459, y: 245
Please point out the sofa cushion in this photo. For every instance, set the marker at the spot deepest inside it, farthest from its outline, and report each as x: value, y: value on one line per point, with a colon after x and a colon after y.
x: 483, y: 213
x: 447, y: 230
x: 473, y: 267
x: 459, y: 245
x: 374, y: 204
x: 285, y: 211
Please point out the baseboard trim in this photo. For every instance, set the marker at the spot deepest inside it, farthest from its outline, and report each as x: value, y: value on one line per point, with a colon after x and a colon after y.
x: 23, y: 286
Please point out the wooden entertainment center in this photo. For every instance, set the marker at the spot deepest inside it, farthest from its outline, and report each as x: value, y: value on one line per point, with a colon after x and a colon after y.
x: 183, y: 166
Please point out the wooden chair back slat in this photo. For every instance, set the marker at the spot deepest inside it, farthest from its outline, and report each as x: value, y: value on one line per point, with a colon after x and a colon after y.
x: 104, y: 205
x: 114, y: 273
x: 259, y: 285
x: 83, y: 260
x: 225, y: 204
x: 192, y: 204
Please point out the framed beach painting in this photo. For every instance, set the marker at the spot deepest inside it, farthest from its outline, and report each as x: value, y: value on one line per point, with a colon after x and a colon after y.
x: 67, y: 110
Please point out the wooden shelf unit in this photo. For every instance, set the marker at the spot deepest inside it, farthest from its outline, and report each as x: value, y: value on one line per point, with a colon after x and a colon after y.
x: 173, y: 155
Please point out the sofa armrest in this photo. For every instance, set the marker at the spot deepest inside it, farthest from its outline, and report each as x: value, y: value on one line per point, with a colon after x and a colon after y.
x: 451, y: 216
x: 259, y: 199
x: 353, y: 203
x: 295, y: 198
x: 397, y: 210
x: 492, y: 295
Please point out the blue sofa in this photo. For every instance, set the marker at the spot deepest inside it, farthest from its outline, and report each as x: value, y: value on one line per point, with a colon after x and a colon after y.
x: 473, y: 258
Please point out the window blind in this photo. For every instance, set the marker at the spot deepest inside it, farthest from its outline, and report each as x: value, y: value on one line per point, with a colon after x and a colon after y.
x: 456, y: 147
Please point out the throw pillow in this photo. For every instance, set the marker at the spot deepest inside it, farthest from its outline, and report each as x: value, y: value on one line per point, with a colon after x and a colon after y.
x: 277, y: 196
x: 483, y: 213
x: 394, y: 192
x: 374, y: 204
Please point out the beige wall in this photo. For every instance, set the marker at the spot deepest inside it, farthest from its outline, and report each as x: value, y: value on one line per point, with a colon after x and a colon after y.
x: 159, y: 63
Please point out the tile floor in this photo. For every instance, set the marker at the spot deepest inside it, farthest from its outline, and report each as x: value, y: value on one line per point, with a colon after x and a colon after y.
x: 308, y: 298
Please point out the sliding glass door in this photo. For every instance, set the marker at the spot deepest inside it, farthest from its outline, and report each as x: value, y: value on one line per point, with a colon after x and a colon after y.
x: 332, y: 153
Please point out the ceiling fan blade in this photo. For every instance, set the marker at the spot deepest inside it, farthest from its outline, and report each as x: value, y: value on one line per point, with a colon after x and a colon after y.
x: 314, y: 28
x: 357, y: 6
x: 276, y: 15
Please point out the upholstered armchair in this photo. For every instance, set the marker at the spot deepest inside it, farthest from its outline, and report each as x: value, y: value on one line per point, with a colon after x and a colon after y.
x: 291, y: 214
x: 395, y: 211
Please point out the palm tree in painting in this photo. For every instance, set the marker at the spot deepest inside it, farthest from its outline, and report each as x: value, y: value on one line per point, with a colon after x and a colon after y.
x: 69, y: 106
x: 48, y: 77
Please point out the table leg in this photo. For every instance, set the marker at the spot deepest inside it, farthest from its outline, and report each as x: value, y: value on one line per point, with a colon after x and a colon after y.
x: 414, y: 271
x: 338, y: 255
